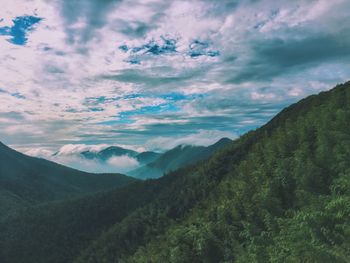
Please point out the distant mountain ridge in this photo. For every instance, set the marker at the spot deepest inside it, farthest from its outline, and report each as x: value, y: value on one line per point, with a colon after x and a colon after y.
x: 109, y: 152
x: 178, y: 157
x: 153, y: 164
x: 116, y: 151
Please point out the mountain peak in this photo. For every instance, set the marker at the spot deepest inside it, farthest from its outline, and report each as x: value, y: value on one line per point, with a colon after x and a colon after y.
x: 224, y: 140
x: 220, y: 143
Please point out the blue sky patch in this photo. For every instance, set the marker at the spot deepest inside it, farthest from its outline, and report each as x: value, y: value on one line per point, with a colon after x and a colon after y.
x: 133, y: 60
x: 125, y: 117
x: 94, y: 101
x: 124, y: 48
x: 96, y: 109
x: 150, y: 110
x: 175, y: 96
x: 201, y: 48
x: 133, y: 96
x: 168, y: 46
x: 21, y: 26
x: 164, y: 46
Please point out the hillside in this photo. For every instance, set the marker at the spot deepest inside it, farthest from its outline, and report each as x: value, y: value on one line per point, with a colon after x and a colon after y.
x: 176, y: 158
x: 277, y: 194
x: 26, y: 180
x: 147, y: 157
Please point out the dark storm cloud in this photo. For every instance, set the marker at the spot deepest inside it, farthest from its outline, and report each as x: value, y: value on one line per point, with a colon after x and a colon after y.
x: 92, y: 13
x: 276, y: 56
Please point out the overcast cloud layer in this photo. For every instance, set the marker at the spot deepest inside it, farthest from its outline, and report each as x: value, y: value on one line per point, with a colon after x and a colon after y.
x: 150, y: 73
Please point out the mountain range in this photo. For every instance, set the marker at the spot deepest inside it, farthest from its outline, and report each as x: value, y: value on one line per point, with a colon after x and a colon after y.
x: 155, y: 165
x: 276, y: 194
x: 113, y: 151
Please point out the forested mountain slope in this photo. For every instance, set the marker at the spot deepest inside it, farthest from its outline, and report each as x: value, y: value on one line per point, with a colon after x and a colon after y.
x: 277, y: 194
x: 26, y: 180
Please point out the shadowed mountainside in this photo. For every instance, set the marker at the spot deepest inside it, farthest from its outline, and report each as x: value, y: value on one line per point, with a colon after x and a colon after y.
x: 26, y: 180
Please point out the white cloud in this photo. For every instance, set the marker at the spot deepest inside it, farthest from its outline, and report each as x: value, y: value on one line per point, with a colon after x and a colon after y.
x: 123, y: 162
x: 203, y: 138
x: 262, y: 96
x: 40, y: 152
x: 57, y: 77
x: 69, y: 155
x: 70, y: 149
x: 114, y: 165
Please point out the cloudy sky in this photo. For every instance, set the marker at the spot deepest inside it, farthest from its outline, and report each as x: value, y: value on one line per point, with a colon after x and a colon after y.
x: 155, y: 73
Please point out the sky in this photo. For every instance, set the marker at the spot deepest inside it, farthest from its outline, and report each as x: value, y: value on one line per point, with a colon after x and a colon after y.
x: 151, y: 74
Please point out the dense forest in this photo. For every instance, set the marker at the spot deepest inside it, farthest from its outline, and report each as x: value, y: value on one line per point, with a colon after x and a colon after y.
x: 280, y: 193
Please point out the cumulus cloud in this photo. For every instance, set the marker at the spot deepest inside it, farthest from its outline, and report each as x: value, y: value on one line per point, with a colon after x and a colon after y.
x: 70, y: 155
x: 120, y: 164
x: 99, y: 72
x: 70, y: 149
x: 123, y: 162
x: 40, y: 152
